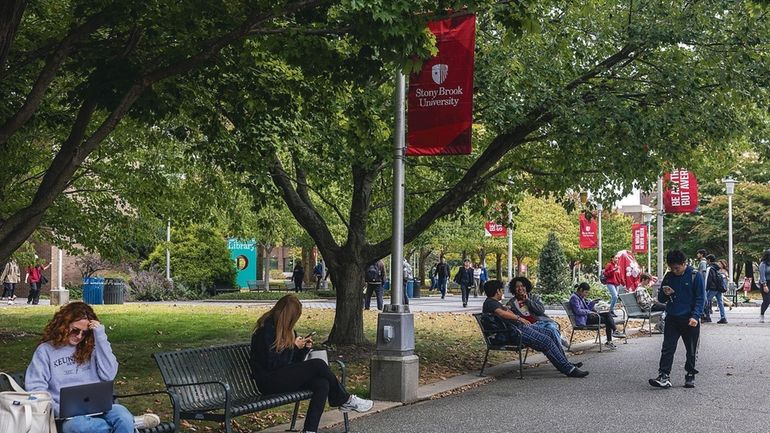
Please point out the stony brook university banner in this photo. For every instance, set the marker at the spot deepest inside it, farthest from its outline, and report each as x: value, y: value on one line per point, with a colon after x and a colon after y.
x: 639, y: 238
x: 588, y: 233
x: 441, y: 94
x: 495, y: 230
x: 680, y: 193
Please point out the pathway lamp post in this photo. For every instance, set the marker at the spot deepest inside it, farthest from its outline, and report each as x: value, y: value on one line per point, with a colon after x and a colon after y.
x: 647, y: 219
x: 730, y: 189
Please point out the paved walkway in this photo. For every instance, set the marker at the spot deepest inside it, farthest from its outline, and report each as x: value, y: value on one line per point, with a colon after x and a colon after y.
x: 732, y: 394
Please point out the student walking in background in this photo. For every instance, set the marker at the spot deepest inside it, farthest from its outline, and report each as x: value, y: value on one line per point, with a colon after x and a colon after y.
x: 612, y: 278
x: 764, y: 279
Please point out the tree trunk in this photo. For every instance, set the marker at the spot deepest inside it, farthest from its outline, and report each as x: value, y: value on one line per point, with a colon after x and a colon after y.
x: 10, y: 17
x: 518, y: 266
x: 308, y: 261
x: 348, y: 279
x: 424, y: 254
x: 482, y: 256
x: 266, y: 249
x: 499, y: 266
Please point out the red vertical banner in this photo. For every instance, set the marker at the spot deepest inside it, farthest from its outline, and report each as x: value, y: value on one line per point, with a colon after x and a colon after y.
x: 680, y: 194
x: 589, y: 237
x: 639, y: 238
x: 441, y: 94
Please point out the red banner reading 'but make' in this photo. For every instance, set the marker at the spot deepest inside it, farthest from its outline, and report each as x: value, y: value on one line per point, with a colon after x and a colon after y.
x: 680, y: 194
x: 441, y: 94
x: 588, y: 233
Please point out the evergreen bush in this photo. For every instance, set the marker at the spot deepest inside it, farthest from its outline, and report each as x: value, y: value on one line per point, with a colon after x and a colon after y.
x: 553, y: 269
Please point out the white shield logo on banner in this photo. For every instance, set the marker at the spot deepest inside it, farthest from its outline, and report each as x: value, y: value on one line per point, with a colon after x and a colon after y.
x: 439, y: 73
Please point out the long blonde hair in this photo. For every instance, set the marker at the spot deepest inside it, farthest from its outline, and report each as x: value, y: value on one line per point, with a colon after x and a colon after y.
x: 285, y: 313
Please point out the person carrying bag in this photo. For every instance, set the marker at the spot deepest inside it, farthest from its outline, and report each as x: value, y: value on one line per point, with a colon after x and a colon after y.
x: 25, y: 412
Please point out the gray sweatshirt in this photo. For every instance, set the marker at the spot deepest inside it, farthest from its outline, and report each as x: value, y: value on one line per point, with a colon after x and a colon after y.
x: 53, y: 368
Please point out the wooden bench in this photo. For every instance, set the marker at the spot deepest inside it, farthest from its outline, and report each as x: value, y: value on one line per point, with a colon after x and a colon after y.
x: 634, y: 311
x: 164, y: 427
x: 575, y: 327
x: 491, y: 325
x: 215, y: 384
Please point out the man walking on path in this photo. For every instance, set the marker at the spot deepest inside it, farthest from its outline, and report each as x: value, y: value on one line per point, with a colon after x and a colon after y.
x: 531, y: 336
x: 375, y: 276
x: 464, y: 278
x: 683, y: 291
x: 442, y: 275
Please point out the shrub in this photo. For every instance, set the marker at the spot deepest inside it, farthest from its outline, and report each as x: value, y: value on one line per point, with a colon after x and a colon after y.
x: 76, y: 291
x: 199, y: 259
x: 553, y: 270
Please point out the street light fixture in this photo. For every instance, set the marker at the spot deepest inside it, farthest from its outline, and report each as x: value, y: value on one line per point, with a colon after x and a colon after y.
x: 730, y: 189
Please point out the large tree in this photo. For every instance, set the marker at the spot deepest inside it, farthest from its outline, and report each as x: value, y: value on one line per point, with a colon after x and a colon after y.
x: 73, y: 71
x: 598, y: 96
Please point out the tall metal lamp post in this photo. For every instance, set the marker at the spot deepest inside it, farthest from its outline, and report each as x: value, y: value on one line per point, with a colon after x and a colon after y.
x: 647, y: 219
x: 730, y: 188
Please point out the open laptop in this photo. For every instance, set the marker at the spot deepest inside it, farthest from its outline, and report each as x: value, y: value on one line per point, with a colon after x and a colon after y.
x: 90, y: 399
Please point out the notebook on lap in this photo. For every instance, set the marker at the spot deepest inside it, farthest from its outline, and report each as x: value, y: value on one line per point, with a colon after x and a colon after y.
x: 90, y: 399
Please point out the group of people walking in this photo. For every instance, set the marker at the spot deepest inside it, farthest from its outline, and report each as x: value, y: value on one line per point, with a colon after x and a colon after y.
x: 11, y: 277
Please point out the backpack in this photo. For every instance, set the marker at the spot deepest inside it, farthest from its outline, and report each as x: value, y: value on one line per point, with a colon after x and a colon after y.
x: 372, y: 273
x: 22, y: 411
x: 602, y: 277
x: 714, y: 280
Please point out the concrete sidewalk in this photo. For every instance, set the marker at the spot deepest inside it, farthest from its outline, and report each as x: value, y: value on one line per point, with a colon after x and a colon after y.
x: 732, y: 393
x: 332, y: 419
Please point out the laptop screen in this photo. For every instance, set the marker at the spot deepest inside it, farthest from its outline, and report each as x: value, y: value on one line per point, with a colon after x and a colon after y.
x: 89, y: 399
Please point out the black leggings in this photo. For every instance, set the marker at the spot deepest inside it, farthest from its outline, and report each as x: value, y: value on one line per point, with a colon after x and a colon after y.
x: 765, y: 302
x: 313, y: 375
x: 606, y: 319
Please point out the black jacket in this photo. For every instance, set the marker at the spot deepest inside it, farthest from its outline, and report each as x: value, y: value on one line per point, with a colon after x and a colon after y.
x: 264, y: 358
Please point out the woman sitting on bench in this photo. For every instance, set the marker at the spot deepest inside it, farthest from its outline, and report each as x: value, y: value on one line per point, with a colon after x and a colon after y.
x: 75, y: 351
x: 277, y: 355
x: 585, y: 314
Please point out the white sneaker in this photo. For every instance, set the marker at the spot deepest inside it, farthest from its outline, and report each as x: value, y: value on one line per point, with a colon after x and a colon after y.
x: 148, y: 420
x: 10, y: 302
x: 357, y: 404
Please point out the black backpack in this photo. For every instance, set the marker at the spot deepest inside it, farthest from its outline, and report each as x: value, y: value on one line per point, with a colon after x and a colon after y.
x: 715, y: 281
x: 372, y: 273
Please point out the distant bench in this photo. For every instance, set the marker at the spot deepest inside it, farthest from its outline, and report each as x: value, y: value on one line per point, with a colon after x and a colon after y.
x: 215, y: 384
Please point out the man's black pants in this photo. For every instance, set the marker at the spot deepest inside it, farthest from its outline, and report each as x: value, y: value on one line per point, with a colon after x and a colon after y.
x: 678, y: 327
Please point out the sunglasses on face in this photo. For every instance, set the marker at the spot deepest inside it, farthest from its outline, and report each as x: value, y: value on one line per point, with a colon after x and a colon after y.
x: 77, y: 332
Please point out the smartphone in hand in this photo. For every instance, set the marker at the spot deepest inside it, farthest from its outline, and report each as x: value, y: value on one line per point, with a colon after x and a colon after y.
x: 309, y: 335
x: 668, y: 290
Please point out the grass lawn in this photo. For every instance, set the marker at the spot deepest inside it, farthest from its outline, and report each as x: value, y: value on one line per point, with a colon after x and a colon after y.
x: 448, y: 345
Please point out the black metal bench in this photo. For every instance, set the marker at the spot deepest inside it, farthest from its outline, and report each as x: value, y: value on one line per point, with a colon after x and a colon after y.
x: 575, y: 327
x: 215, y: 384
x: 164, y: 427
x: 491, y: 325
x: 634, y: 311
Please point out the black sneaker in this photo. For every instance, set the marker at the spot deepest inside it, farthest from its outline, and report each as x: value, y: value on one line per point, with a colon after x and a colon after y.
x: 722, y: 320
x: 576, y: 372
x: 689, y: 381
x: 705, y: 320
x: 661, y: 381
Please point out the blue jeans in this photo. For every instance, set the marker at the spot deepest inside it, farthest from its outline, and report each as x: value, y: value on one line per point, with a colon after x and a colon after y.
x: 550, y: 327
x: 613, y: 295
x: 117, y: 420
x: 442, y: 286
x: 720, y: 303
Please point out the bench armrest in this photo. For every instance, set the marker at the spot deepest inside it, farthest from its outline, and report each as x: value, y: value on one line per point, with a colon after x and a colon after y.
x: 344, y: 371
x: 172, y: 397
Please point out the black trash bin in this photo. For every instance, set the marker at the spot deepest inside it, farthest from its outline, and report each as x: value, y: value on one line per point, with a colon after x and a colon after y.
x: 113, y: 290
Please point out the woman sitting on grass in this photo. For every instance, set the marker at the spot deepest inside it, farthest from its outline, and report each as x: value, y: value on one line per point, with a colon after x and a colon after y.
x: 277, y: 365
x: 75, y: 351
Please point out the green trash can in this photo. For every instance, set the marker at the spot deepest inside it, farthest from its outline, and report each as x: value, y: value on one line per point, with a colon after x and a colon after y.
x: 114, y: 291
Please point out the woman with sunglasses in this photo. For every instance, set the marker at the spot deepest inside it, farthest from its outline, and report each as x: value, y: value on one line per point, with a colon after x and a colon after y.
x: 277, y: 364
x: 75, y: 351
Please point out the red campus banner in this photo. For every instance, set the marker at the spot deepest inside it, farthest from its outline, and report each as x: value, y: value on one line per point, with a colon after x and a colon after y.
x: 680, y: 194
x: 588, y: 233
x: 495, y: 230
x: 639, y: 238
x: 441, y: 94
